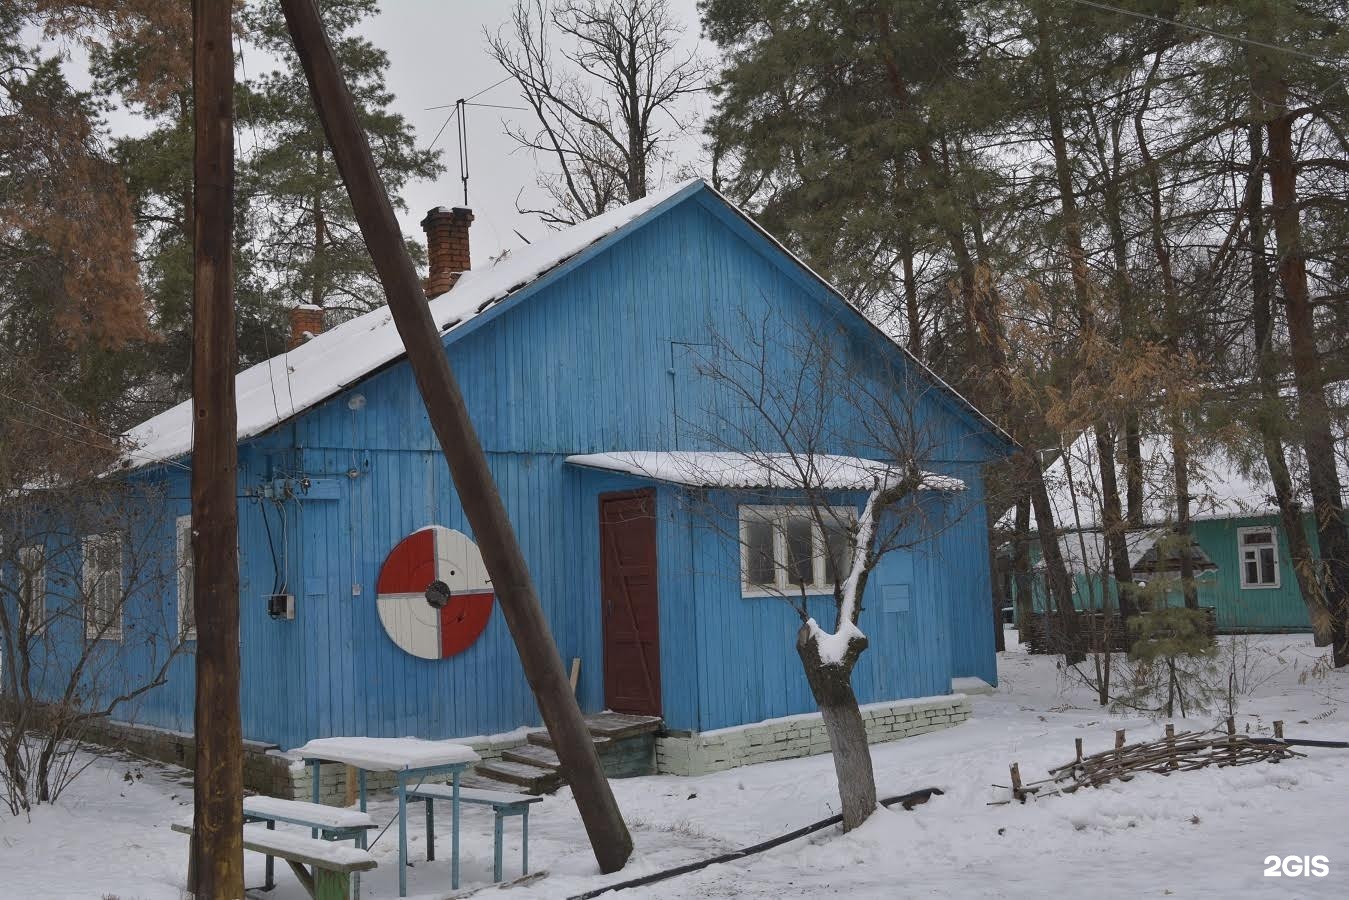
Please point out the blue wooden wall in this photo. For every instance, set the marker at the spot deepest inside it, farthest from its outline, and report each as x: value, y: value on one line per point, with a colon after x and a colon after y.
x: 593, y: 363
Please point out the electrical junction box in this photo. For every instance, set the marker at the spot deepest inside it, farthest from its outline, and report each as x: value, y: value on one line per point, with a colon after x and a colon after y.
x: 281, y: 606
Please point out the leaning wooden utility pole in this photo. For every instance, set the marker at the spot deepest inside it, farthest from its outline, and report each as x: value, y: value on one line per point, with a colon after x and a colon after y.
x: 449, y: 417
x: 216, y: 868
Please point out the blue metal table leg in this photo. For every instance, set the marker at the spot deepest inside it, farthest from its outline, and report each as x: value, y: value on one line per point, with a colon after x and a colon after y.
x: 403, y: 836
x: 430, y: 830
x: 271, y: 863
x: 524, y: 842
x: 496, y: 848
x: 454, y: 834
x: 314, y: 832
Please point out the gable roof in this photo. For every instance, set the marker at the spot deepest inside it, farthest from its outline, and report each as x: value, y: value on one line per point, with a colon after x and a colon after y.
x: 287, y: 385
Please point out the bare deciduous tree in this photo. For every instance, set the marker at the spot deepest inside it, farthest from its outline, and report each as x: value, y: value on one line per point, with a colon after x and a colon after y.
x: 86, y: 565
x: 607, y: 115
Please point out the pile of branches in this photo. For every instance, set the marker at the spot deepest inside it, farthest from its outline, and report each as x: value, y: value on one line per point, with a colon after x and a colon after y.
x: 1183, y: 752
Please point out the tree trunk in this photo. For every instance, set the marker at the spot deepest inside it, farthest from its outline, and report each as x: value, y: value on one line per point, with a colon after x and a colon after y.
x: 1313, y: 411
x: 995, y: 580
x: 1058, y: 585
x: 831, y: 685
x: 1180, y: 444
x: 317, y: 294
x: 914, y: 339
x: 1268, y: 421
x: 1112, y: 520
x: 1022, y: 582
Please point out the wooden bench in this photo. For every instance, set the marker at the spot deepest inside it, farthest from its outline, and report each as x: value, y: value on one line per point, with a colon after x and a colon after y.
x: 333, y: 864
x: 503, y: 803
x: 328, y: 822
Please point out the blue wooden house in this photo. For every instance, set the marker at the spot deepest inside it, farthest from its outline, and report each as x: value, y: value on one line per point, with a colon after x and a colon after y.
x: 571, y: 352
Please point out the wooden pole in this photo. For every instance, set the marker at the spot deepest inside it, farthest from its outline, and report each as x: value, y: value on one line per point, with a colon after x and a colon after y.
x: 609, y: 837
x: 1278, y: 729
x: 1016, y: 782
x: 217, y: 852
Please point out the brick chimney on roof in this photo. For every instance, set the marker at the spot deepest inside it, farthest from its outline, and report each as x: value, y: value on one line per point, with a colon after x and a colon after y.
x: 306, y: 321
x: 446, y: 247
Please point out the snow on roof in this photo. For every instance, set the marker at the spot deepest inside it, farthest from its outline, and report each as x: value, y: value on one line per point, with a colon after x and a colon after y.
x: 728, y: 469
x: 284, y: 386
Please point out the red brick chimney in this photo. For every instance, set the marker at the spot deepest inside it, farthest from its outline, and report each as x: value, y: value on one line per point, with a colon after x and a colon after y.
x: 306, y: 321
x: 446, y: 247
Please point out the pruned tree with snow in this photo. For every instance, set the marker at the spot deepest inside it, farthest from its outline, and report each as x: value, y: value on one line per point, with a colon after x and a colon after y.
x: 791, y: 415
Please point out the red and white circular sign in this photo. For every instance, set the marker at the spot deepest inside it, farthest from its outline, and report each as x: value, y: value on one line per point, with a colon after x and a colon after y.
x: 429, y: 555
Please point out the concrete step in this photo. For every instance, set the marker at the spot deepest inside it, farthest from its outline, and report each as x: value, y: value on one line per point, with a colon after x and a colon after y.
x: 533, y: 755
x: 524, y: 777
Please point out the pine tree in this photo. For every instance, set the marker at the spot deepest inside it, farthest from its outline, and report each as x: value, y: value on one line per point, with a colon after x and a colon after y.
x: 306, y: 244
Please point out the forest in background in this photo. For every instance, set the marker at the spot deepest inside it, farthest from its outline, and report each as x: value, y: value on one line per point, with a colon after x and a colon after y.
x: 1127, y: 216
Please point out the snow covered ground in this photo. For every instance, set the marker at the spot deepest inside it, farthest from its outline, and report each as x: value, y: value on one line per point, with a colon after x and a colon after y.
x: 1198, y: 834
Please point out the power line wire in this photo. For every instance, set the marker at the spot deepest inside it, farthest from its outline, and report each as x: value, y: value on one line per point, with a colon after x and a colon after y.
x: 443, y: 126
x: 92, y: 430
x: 473, y: 97
x: 1105, y: 7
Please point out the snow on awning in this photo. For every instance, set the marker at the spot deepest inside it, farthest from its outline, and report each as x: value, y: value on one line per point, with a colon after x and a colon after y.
x: 728, y: 469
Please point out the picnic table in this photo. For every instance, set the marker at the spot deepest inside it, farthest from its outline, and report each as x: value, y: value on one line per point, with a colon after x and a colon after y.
x: 412, y: 761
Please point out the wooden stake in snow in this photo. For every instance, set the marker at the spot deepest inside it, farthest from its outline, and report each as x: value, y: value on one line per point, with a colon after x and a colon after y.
x: 1278, y: 729
x: 1170, y: 745
x: 445, y: 407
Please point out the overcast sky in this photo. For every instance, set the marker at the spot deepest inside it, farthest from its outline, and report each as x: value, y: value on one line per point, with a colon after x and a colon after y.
x: 436, y: 55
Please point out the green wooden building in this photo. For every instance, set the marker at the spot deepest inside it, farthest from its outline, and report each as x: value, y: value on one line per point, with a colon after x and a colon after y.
x: 1243, y: 567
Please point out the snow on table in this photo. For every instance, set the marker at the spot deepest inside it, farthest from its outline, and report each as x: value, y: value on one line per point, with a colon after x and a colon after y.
x: 387, y: 754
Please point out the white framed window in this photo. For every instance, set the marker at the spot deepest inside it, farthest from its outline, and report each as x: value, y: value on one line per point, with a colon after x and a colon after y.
x: 33, y: 587
x: 102, y: 574
x: 187, y: 612
x: 1259, y: 552
x: 783, y: 550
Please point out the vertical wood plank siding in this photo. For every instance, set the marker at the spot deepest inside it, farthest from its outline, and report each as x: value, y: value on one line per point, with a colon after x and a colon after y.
x: 587, y: 366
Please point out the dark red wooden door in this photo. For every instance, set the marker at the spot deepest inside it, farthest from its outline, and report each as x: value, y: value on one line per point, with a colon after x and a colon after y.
x: 628, y: 598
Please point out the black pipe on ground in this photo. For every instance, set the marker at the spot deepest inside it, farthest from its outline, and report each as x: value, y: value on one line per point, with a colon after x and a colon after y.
x: 1301, y: 742
x: 909, y: 801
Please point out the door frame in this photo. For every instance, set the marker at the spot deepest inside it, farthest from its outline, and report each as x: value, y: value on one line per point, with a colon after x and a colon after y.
x: 633, y: 493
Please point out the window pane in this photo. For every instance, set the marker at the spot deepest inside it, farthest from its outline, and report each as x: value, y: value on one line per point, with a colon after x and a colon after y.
x: 1258, y: 537
x: 758, y: 552
x: 1252, y: 572
x: 1267, y: 565
x: 838, y: 548
x: 800, y: 550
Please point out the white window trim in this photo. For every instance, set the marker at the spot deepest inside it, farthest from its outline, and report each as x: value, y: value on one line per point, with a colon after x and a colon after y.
x: 37, y: 617
x: 182, y: 529
x: 89, y: 573
x: 775, y: 514
x: 1242, y: 547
